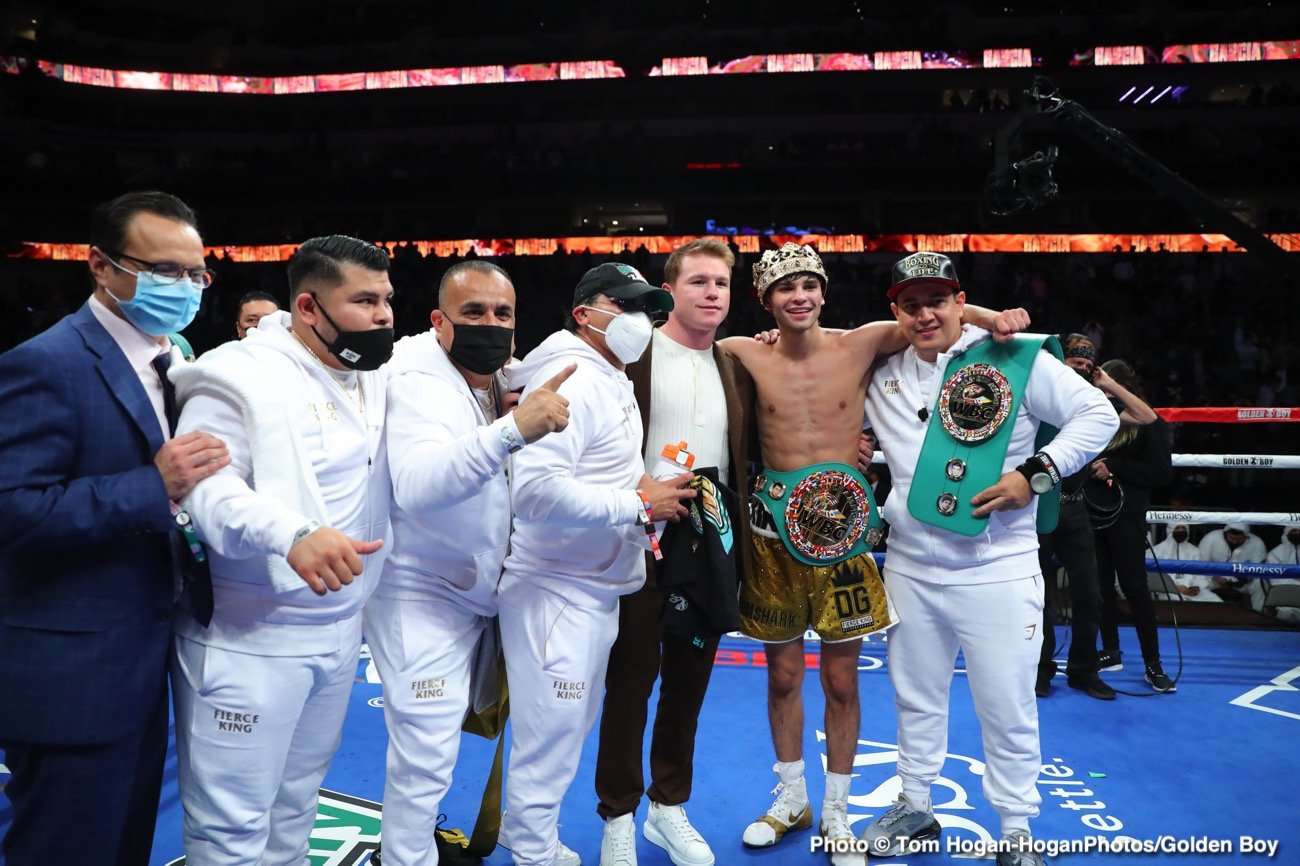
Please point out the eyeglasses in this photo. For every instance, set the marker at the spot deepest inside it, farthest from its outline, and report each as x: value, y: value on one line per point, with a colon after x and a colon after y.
x: 166, y: 272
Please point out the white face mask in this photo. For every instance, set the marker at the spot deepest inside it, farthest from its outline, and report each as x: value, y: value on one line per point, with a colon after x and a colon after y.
x: 627, y: 335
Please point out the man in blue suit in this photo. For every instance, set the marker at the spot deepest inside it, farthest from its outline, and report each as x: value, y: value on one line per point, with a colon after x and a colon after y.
x: 88, y: 472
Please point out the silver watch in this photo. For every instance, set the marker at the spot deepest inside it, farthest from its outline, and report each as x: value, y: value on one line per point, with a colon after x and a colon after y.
x: 307, y: 530
x: 511, y: 439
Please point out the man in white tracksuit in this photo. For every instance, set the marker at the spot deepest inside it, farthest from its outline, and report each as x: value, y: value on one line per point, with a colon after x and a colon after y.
x: 449, y: 441
x: 981, y: 594
x: 1235, y: 543
x: 582, y: 503
x: 261, y: 693
x: 1178, y: 545
x: 1287, y: 552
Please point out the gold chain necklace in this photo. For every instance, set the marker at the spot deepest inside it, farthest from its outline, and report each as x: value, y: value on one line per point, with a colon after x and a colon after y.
x: 359, y: 401
x: 487, y: 402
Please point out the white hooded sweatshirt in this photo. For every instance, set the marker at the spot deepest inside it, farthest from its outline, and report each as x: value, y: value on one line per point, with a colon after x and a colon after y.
x: 1285, y: 553
x: 301, y: 449
x: 451, y: 499
x: 1008, y: 549
x: 1168, y: 550
x: 1214, y: 546
x: 574, y: 492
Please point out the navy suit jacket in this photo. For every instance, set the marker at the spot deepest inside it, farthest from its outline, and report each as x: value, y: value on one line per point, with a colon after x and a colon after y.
x: 86, y: 578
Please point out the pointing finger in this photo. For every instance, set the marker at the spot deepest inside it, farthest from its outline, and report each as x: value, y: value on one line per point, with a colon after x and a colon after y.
x: 553, y: 383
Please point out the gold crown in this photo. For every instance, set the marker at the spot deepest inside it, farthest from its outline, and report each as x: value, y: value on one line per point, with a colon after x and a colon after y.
x: 792, y: 258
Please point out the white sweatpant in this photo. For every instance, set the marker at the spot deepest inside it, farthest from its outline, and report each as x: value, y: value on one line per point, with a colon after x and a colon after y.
x: 556, y: 656
x: 423, y: 650
x: 998, y: 627
x: 255, y: 736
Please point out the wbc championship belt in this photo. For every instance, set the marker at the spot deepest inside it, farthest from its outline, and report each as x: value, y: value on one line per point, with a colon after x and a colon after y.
x: 824, y: 513
x: 969, y: 431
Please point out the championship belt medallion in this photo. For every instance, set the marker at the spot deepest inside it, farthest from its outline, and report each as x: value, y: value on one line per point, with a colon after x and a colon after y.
x: 974, y: 403
x: 826, y: 515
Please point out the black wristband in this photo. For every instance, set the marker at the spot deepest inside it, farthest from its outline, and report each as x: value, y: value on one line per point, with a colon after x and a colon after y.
x: 1048, y: 466
x: 1038, y: 475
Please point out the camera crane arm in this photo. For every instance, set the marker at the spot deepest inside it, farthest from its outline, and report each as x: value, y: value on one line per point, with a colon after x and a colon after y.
x: 1122, y: 150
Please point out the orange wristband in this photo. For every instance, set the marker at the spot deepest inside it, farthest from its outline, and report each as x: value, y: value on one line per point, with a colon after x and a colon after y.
x: 650, y: 526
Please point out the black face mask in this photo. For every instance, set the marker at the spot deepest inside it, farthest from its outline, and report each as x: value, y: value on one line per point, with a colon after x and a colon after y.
x: 357, y: 350
x: 1180, y: 535
x: 481, y: 349
x: 1293, y: 537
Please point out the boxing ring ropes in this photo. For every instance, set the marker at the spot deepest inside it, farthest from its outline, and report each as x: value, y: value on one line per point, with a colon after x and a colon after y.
x: 1219, y: 415
x: 1228, y: 415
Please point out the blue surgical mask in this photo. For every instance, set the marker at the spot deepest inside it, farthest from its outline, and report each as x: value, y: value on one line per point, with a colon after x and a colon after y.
x: 159, y: 308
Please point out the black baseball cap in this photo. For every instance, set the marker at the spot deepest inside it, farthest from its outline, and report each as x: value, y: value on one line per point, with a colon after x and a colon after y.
x: 923, y: 268
x: 622, y: 283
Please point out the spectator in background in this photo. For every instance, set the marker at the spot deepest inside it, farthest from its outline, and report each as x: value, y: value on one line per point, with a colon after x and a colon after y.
x: 1233, y: 543
x: 1288, y: 550
x: 252, y: 307
x: 1178, y: 545
x: 1137, y: 461
x: 1286, y: 553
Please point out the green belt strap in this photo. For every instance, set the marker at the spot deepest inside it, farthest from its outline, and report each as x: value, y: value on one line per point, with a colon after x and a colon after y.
x: 773, y: 489
x: 982, y: 461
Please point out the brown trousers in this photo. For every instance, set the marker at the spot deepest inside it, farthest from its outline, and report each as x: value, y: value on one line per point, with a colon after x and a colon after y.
x: 639, y: 656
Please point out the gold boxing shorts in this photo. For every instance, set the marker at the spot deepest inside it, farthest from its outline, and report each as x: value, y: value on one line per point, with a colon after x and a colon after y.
x: 782, y: 597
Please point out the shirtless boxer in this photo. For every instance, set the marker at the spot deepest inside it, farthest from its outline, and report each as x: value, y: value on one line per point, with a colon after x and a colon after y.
x: 814, y: 570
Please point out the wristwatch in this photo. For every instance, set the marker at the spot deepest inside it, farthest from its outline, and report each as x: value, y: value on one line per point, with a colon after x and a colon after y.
x: 511, y: 440
x: 310, y: 527
x: 1040, y: 472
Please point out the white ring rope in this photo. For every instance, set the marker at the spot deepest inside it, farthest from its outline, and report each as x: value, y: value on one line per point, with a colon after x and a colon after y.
x: 1218, y: 461
x: 1238, y: 461
x: 1196, y: 566
x: 1271, y: 518
x: 1210, y: 461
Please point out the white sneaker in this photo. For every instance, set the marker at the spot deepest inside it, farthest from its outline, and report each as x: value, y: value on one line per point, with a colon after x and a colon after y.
x: 785, y: 814
x: 840, y: 839
x: 566, y: 856
x: 618, y: 845
x: 670, y: 829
